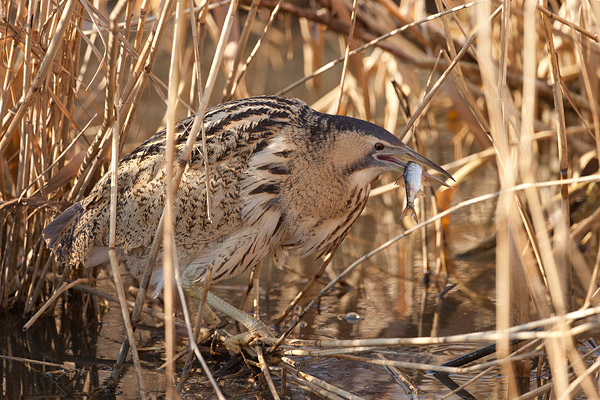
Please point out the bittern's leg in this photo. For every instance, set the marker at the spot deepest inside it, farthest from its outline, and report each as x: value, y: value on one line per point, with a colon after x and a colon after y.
x: 256, y: 328
x: 254, y: 325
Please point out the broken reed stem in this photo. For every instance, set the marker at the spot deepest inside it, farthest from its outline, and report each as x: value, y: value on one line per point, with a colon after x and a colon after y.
x: 292, y: 367
x: 544, y: 10
x: 37, y: 362
x: 309, y: 381
x: 403, y: 380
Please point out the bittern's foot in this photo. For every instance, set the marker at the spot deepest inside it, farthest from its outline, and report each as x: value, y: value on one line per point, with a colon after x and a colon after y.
x: 257, y: 330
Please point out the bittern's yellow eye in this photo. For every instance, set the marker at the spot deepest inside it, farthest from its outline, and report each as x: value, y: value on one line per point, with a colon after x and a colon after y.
x: 378, y: 146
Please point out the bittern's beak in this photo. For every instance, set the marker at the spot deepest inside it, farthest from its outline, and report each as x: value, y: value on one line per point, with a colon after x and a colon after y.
x: 402, y: 154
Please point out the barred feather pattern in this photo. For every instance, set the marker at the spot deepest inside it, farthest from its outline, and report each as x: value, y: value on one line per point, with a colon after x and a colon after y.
x: 280, y: 181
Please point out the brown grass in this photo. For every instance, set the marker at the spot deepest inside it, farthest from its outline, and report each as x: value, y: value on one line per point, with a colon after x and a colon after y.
x: 511, y: 84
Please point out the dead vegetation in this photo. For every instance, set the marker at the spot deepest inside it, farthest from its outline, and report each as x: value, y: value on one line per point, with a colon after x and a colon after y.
x: 508, y: 84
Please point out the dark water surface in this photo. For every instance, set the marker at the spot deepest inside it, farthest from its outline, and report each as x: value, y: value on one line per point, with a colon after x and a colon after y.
x: 389, y: 305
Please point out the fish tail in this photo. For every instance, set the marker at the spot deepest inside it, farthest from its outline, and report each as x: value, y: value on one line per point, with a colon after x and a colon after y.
x: 410, y: 211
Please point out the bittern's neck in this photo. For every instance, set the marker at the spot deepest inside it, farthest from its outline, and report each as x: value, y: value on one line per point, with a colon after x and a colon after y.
x: 364, y: 177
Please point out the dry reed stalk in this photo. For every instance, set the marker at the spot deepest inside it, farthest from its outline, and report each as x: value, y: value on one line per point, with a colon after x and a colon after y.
x: 563, y: 259
x: 38, y: 362
x: 292, y: 367
x: 403, y: 380
x: 63, y: 288
x: 346, y: 52
x: 242, y: 70
x: 228, y: 91
x: 521, y: 332
x: 265, y: 370
x: 169, y: 247
x: 432, y: 367
x: 316, y: 389
x: 190, y: 332
x: 199, y: 319
x: 115, y: 127
x: 14, y: 118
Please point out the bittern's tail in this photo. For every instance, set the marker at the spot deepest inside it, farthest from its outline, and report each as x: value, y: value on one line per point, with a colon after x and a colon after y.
x: 58, y: 234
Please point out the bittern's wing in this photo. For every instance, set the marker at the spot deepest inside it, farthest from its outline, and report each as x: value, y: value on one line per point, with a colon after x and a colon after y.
x: 235, y: 132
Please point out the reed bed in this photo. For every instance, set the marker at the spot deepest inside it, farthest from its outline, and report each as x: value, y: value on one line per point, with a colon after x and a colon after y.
x: 507, y: 87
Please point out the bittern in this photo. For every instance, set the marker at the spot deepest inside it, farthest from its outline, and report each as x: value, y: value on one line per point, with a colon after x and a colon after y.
x: 283, y: 177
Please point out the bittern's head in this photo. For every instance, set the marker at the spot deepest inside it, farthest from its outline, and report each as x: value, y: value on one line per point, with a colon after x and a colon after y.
x: 365, y: 150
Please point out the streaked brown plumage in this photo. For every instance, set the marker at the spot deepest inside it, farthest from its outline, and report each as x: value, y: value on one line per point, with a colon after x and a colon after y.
x: 283, y: 178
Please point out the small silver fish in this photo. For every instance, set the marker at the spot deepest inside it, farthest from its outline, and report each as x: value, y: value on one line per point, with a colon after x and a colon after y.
x: 413, y: 174
x: 351, y: 317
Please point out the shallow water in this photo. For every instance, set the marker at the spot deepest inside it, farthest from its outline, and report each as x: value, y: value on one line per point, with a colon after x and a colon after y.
x: 382, y: 300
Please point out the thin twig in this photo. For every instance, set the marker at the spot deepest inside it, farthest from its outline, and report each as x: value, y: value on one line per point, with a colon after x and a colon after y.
x: 64, y: 287
x: 372, y: 43
x: 37, y: 362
